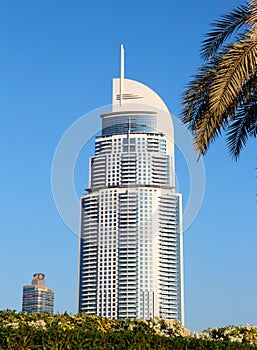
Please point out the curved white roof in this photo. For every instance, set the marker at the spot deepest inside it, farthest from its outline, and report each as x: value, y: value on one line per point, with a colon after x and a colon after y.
x: 131, y: 95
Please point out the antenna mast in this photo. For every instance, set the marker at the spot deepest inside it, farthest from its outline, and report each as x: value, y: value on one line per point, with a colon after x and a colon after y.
x: 121, y: 71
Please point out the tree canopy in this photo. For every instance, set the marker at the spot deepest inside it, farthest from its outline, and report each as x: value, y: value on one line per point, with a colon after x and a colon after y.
x: 223, y: 93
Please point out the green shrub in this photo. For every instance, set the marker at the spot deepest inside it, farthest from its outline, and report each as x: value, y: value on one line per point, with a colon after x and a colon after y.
x: 23, y: 331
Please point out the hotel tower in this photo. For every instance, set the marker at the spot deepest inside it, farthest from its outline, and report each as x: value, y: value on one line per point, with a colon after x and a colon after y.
x: 131, y: 241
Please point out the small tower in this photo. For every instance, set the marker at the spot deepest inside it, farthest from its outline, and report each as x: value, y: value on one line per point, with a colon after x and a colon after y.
x: 37, y: 297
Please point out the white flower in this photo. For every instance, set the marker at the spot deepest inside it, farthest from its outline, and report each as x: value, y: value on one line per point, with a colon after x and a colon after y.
x: 37, y: 324
x: 13, y: 325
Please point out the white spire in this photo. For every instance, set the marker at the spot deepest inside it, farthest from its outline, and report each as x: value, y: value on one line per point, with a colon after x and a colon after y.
x: 121, y: 71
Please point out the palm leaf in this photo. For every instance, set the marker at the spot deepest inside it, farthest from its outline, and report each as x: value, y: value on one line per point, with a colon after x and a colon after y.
x: 237, y: 66
x: 238, y: 133
x: 209, y: 129
x: 211, y: 125
x: 204, y: 125
x: 243, y: 127
x: 252, y: 12
x: 223, y: 29
x: 223, y: 90
x: 195, y: 98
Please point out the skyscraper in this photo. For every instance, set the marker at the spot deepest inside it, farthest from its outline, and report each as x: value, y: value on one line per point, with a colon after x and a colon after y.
x: 131, y: 245
x: 37, y: 297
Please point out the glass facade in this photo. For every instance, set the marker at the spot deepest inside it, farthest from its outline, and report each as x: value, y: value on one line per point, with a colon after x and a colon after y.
x: 123, y: 124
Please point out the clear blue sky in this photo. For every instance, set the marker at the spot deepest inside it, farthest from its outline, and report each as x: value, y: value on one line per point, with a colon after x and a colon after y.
x: 57, y: 62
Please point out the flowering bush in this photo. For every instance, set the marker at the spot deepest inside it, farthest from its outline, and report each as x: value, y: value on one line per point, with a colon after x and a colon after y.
x: 239, y: 334
x: 23, y: 331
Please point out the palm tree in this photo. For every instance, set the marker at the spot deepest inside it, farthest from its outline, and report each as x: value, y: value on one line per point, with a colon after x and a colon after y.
x: 223, y: 93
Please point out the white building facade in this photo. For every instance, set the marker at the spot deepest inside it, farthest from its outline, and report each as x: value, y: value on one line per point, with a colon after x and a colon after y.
x: 131, y: 242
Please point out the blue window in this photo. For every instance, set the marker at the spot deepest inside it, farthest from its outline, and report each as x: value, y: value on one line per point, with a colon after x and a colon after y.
x: 128, y: 123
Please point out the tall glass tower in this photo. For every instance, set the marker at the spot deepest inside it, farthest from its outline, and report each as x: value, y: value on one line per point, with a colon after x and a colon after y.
x: 131, y: 242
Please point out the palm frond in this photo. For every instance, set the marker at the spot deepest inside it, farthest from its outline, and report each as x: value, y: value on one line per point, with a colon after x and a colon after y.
x: 223, y: 94
x: 223, y: 29
x: 236, y: 67
x: 195, y: 98
x: 244, y: 126
x: 196, y: 112
x: 210, y: 128
x: 207, y: 132
x: 252, y: 19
